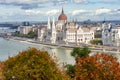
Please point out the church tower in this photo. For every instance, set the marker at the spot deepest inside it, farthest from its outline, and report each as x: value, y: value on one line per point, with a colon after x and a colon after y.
x: 53, y: 32
x: 48, y: 25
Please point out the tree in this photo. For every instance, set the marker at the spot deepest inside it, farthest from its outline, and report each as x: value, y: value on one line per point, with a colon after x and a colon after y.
x: 70, y: 70
x: 96, y: 41
x: 98, y: 34
x: 2, y: 77
x: 33, y: 65
x: 80, y: 52
x: 32, y: 34
x: 77, y: 52
x: 97, y: 67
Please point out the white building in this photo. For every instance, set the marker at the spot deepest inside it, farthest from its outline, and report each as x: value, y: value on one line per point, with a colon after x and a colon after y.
x: 24, y: 29
x: 111, y: 35
x: 64, y: 32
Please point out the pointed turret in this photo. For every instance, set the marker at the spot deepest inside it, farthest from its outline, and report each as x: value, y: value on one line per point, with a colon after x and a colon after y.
x: 53, y: 24
x: 104, y: 20
x: 48, y: 25
x: 104, y: 24
x: 53, y: 32
x: 62, y: 11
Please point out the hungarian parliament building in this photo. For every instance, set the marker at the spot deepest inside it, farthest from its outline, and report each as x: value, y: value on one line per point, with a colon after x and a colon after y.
x: 62, y: 31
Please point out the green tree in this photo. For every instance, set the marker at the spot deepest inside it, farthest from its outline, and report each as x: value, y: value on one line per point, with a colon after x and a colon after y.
x: 80, y: 52
x: 32, y: 34
x: 33, y: 65
x: 98, y: 34
x: 77, y: 52
x: 96, y: 41
x: 70, y: 70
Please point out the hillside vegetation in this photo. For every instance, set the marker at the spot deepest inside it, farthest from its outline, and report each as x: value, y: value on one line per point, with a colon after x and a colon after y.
x: 32, y: 65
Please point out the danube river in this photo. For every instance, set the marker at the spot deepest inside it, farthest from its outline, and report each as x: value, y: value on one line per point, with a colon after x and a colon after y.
x: 12, y: 48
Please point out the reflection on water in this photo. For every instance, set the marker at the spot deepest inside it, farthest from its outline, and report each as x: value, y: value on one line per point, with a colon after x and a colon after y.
x: 12, y: 47
x: 63, y: 55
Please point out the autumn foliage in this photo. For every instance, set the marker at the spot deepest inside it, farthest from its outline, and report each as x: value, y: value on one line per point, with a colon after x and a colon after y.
x: 2, y: 66
x: 33, y: 65
x: 97, y: 67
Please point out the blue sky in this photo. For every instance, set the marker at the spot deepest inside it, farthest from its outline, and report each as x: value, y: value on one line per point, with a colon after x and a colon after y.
x: 40, y: 10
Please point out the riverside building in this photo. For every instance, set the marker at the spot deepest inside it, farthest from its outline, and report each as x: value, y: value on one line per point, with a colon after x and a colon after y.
x: 111, y: 35
x: 61, y: 31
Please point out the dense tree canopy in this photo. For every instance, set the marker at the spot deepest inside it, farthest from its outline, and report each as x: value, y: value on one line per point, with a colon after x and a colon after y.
x: 98, y: 34
x: 77, y: 52
x: 1, y: 71
x: 97, y: 67
x: 31, y: 34
x: 96, y: 41
x: 80, y: 52
x: 70, y: 70
x: 32, y: 65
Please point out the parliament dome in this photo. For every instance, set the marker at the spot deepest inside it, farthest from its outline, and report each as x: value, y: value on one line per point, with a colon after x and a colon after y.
x: 62, y: 16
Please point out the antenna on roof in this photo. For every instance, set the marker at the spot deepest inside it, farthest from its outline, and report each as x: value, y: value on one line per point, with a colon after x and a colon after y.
x: 104, y: 20
x: 62, y: 10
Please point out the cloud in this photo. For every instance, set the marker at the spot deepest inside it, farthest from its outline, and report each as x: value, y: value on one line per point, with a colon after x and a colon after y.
x: 25, y: 4
x: 116, y: 2
x: 22, y: 1
x: 59, y: 2
x: 79, y: 1
x: 33, y: 12
x: 115, y: 12
x: 77, y: 12
x: 52, y: 12
x: 30, y: 4
x: 102, y: 11
x: 110, y: 1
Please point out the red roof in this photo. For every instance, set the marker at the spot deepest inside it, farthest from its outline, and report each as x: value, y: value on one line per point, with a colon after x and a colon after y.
x: 62, y: 17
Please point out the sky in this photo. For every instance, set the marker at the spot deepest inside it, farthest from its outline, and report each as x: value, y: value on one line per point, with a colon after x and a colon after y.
x: 40, y: 10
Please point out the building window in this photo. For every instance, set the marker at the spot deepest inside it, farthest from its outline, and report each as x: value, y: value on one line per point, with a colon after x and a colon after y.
x: 49, y: 33
x: 112, y: 41
x: 105, y: 34
x: 113, y: 35
x: 58, y: 38
x: 61, y: 38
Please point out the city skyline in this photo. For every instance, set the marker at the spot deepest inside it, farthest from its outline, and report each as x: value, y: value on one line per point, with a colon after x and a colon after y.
x: 40, y: 10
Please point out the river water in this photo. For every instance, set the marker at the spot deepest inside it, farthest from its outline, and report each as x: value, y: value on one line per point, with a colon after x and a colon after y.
x: 12, y: 48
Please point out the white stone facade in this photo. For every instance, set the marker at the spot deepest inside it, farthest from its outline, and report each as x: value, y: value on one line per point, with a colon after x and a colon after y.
x: 24, y: 29
x: 111, y: 35
x: 66, y: 32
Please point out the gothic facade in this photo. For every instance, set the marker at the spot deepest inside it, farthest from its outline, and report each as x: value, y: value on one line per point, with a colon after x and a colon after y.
x: 62, y: 31
x: 111, y: 35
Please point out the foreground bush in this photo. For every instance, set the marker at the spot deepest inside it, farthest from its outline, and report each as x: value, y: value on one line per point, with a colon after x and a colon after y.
x: 32, y: 65
x: 97, y: 67
x: 2, y: 77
